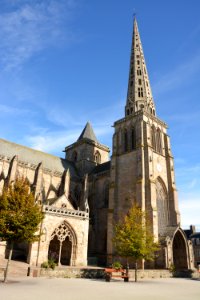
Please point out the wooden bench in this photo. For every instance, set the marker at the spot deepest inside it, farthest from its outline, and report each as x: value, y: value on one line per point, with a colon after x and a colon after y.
x: 116, y: 273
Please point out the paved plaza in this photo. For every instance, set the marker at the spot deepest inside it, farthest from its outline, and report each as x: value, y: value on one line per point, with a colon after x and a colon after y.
x: 88, y: 289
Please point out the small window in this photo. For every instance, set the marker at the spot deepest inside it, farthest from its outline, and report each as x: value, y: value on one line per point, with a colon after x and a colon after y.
x: 131, y: 83
x: 139, y: 81
x: 139, y: 92
x: 131, y: 70
x: 74, y: 156
x: 138, y: 62
x: 127, y: 111
x: 97, y: 157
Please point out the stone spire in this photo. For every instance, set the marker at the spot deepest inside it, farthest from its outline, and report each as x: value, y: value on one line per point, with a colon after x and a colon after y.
x: 88, y: 133
x: 139, y: 94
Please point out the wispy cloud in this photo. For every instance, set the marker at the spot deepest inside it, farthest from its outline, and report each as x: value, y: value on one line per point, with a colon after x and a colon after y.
x: 99, y: 117
x: 29, y: 27
x: 178, y: 76
x: 10, y: 110
x: 53, y: 142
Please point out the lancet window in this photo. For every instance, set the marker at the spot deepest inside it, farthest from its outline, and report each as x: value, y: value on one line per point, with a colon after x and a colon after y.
x: 125, y: 140
x: 133, y: 139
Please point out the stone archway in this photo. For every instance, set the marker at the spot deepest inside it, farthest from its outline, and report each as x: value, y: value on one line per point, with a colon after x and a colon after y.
x: 63, y: 245
x: 179, y: 246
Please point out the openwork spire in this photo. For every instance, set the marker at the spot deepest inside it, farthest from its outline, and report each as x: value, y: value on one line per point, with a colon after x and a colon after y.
x: 139, y: 96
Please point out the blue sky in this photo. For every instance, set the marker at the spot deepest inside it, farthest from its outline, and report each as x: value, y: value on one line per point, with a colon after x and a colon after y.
x: 65, y: 62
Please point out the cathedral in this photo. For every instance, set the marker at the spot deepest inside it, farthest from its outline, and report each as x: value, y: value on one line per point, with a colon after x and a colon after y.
x: 84, y: 194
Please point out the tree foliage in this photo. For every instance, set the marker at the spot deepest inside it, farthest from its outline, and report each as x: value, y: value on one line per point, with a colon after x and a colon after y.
x: 19, y: 215
x: 133, y: 236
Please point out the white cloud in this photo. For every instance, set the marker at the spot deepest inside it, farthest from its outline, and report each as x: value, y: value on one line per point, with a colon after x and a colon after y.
x: 53, y: 142
x: 29, y: 27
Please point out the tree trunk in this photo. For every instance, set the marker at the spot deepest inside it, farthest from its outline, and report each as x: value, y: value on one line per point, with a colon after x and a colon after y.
x: 136, y: 267
x: 8, y: 262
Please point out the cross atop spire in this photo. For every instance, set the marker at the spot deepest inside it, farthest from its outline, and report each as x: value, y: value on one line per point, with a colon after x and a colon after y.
x: 139, y: 94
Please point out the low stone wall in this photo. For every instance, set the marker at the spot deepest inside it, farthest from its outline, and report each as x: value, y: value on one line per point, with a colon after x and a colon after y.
x: 150, y: 274
x: 70, y: 272
x: 194, y: 274
x: 67, y: 272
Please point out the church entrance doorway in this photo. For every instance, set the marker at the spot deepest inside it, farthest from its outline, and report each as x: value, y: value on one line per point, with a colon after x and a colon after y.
x: 54, y: 247
x: 66, y: 252
x: 180, y: 251
x: 62, y: 247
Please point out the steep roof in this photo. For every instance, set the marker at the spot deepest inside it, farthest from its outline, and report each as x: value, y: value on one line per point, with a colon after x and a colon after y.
x: 88, y: 133
x: 28, y: 155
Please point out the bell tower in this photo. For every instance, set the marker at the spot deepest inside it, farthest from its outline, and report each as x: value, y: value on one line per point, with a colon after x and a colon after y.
x: 142, y: 165
x: 87, y: 152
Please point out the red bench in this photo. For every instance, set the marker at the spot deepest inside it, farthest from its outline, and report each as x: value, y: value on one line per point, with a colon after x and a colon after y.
x: 116, y: 273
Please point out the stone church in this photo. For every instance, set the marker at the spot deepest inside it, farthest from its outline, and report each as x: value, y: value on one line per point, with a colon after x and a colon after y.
x: 85, y: 193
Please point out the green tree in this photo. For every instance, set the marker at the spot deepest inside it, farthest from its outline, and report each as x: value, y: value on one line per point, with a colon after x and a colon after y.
x: 133, y: 237
x: 20, y: 216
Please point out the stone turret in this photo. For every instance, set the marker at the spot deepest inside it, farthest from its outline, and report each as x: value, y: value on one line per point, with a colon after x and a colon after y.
x: 87, y: 152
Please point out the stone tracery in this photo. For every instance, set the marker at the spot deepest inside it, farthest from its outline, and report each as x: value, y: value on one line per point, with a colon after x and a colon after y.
x: 63, y: 242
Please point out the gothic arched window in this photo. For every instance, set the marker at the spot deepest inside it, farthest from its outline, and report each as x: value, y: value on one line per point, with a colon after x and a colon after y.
x: 153, y: 137
x: 162, y: 205
x: 158, y: 141
x: 106, y: 195
x: 125, y: 140
x: 74, y: 156
x: 97, y: 157
x: 133, y: 139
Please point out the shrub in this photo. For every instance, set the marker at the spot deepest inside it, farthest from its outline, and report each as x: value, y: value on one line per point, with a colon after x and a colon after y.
x: 52, y: 264
x: 45, y: 265
x: 117, y: 265
x: 49, y: 264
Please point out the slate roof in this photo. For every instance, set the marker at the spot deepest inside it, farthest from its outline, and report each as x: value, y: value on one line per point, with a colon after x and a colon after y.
x: 101, y: 168
x: 88, y: 133
x: 195, y: 235
x: 32, y: 156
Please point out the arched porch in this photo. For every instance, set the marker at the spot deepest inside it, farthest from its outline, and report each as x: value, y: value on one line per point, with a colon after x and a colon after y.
x: 63, y: 245
x: 180, y: 251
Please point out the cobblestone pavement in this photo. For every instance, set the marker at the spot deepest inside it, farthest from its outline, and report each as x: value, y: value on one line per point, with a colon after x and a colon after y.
x: 88, y: 289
